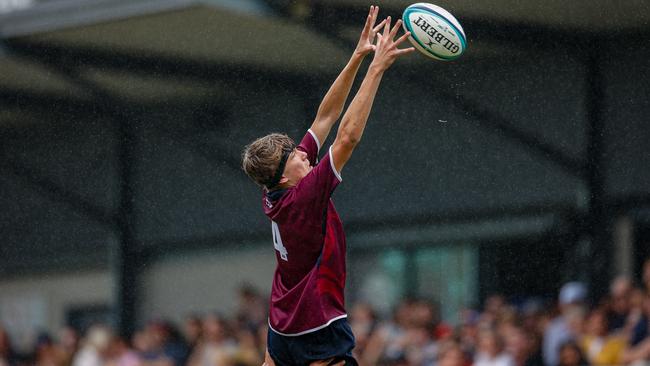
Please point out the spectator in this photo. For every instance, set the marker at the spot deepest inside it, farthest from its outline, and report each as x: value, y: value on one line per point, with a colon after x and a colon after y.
x: 7, y: 356
x: 571, y: 355
x: 120, y: 354
x: 419, y: 347
x: 169, y: 342
x: 252, y: 308
x: 494, y: 306
x: 408, y: 338
x: 571, y: 302
x: 599, y: 347
x: 216, y: 348
x: 638, y: 355
x: 68, y: 344
x: 262, y: 333
x: 193, y: 331
x: 523, y: 347
x: 620, y: 292
x: 247, y: 352
x: 638, y: 351
x: 451, y: 354
x: 94, y: 347
x: 386, y: 343
x: 363, y: 321
x: 47, y: 354
x: 533, y: 317
x: 507, y: 325
x: 490, y: 351
x: 150, y: 351
x: 468, y: 330
x: 635, y: 327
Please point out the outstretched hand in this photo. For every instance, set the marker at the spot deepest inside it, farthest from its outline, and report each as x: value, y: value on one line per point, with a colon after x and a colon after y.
x: 367, y: 39
x: 386, y: 51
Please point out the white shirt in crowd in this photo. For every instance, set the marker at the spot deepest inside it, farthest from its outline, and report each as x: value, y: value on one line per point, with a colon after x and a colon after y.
x: 502, y: 359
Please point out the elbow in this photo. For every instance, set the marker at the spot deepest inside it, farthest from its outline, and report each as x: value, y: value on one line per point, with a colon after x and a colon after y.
x: 348, y: 140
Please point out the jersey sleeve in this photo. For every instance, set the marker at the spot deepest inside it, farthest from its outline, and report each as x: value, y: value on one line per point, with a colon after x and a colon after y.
x: 311, y: 146
x: 316, y: 188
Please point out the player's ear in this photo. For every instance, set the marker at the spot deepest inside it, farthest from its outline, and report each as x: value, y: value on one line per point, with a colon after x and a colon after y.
x: 283, y: 180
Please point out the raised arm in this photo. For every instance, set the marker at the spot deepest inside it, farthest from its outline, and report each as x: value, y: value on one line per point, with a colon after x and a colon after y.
x: 355, y: 118
x: 331, y: 107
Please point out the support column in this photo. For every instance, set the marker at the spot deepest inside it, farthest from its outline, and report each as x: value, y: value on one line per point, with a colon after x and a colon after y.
x: 411, y: 275
x: 125, y: 258
x: 599, y: 260
x: 623, y: 245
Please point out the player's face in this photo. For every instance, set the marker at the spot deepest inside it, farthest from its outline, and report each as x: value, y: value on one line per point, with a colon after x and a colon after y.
x: 297, y: 166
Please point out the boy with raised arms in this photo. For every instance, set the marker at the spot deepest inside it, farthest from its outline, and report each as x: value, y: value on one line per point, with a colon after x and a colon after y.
x: 307, y: 318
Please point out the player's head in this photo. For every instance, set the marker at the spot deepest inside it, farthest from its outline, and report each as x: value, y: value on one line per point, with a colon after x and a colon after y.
x: 274, y: 162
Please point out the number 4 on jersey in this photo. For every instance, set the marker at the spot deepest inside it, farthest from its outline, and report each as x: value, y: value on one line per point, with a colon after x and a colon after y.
x: 277, y: 241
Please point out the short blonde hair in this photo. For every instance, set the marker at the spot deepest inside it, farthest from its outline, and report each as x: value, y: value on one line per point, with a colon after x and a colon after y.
x: 261, y: 158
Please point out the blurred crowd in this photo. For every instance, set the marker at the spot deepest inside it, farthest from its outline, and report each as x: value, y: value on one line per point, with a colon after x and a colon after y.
x: 569, y: 331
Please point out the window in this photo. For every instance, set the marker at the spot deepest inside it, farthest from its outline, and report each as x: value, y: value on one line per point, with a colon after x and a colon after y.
x: 446, y: 274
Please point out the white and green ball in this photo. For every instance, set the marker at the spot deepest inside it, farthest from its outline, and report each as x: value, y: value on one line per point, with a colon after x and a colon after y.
x: 434, y: 31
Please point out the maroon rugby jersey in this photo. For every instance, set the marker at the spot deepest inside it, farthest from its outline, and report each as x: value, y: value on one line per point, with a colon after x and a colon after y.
x: 307, y: 291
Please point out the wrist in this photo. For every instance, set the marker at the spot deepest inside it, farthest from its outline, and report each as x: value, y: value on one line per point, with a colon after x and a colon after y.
x: 375, y: 69
x: 357, y: 57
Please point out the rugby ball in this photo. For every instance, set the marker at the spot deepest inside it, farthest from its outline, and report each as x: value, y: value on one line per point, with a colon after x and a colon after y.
x: 434, y: 31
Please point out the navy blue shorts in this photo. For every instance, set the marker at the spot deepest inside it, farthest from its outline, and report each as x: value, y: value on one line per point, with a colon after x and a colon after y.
x: 334, y: 341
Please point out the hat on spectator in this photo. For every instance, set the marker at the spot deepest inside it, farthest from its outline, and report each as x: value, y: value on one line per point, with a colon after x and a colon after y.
x: 572, y: 292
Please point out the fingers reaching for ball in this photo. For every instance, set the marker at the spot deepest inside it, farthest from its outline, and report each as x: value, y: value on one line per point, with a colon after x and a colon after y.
x: 369, y: 31
x: 393, y: 31
x: 386, y: 50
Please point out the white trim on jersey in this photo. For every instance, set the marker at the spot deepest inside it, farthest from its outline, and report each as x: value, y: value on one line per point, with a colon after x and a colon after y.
x: 338, y: 175
x: 315, y: 139
x: 309, y: 330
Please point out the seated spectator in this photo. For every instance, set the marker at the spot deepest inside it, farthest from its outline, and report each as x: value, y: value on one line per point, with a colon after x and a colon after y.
x: 571, y: 302
x: 636, y: 327
x: 419, y: 346
x: 468, y: 330
x: 68, y: 344
x: 385, y: 344
x: 533, y: 316
x: 94, y: 348
x: 638, y: 355
x: 252, y: 308
x: 120, y: 354
x: 494, y: 305
x: 620, y: 292
x: 170, y: 341
x: 451, y: 354
x: 192, y: 330
x: 523, y: 347
x: 149, y: 349
x: 247, y: 352
x: 216, y: 347
x: 261, y: 334
x: 7, y: 356
x: 638, y: 351
x: 571, y: 355
x: 491, y: 350
x: 363, y: 321
x: 599, y: 347
x: 47, y: 353
x: 411, y: 336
